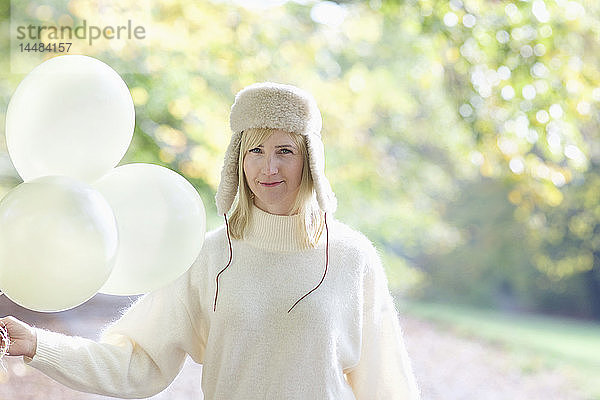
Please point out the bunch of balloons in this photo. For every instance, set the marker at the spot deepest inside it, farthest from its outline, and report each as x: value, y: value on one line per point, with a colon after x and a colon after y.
x: 78, y: 224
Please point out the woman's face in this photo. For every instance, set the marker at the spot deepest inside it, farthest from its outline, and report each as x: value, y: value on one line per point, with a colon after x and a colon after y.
x: 277, y: 160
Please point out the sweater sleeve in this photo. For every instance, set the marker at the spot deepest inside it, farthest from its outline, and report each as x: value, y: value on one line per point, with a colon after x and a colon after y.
x: 137, y: 356
x: 384, y: 370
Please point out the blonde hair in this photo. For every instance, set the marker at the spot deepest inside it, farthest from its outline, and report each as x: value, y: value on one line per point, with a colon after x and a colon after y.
x: 306, y: 201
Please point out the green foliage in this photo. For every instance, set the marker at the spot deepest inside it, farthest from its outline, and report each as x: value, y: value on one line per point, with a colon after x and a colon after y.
x: 524, y: 79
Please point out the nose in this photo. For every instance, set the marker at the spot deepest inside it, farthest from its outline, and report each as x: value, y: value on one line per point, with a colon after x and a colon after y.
x: 269, y: 166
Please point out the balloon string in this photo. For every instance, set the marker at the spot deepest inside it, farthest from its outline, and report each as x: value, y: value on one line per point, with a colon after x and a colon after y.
x: 4, y: 342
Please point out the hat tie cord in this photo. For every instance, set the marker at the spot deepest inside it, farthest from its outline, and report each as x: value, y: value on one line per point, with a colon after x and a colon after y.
x: 230, y: 256
x: 326, y: 262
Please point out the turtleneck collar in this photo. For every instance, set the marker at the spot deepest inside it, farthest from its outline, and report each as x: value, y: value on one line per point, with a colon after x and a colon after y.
x: 275, y: 232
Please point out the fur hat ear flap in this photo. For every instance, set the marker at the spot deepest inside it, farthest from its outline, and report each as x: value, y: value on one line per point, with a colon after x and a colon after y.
x: 316, y: 159
x: 229, y: 176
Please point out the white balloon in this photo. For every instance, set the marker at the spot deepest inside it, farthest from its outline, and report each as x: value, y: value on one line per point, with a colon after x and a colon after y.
x: 58, y: 243
x: 71, y: 115
x: 161, y: 221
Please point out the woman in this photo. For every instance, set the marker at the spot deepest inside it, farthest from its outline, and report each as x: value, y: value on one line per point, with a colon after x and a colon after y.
x: 283, y: 301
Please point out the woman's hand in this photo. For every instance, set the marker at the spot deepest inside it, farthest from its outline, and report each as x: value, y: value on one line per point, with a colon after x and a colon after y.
x: 23, y: 338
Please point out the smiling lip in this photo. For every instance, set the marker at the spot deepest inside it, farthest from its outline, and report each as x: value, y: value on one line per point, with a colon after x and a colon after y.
x: 270, y: 184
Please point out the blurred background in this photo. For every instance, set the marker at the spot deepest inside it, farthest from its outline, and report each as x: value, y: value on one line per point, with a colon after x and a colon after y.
x: 462, y: 137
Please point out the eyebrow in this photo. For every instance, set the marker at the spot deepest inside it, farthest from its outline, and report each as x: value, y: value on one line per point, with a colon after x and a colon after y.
x: 280, y: 146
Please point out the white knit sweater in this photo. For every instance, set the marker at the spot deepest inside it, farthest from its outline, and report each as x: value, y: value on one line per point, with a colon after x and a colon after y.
x: 343, y: 341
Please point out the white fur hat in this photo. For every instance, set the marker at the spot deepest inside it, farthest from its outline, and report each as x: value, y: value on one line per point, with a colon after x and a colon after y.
x: 278, y: 106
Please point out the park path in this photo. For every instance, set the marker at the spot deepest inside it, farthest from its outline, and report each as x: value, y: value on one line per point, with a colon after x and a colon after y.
x: 453, y: 367
x: 447, y: 366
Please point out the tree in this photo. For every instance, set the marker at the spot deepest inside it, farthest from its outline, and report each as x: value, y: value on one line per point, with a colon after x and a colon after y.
x: 524, y: 78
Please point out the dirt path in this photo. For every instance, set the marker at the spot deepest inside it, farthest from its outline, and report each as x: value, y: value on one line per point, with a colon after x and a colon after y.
x: 452, y: 367
x: 447, y: 366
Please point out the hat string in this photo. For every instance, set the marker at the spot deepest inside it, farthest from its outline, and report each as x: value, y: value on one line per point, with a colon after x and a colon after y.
x: 230, y: 255
x: 326, y: 262
x: 300, y: 299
